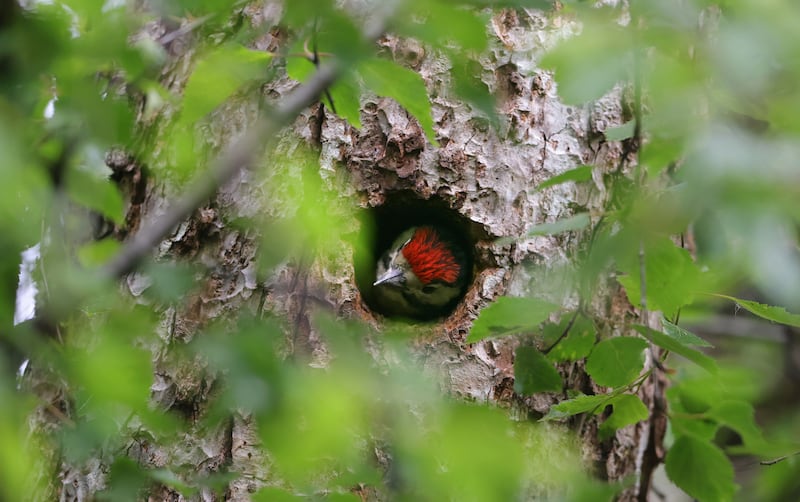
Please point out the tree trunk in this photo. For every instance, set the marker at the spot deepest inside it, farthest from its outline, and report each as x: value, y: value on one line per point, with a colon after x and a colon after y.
x: 481, y: 176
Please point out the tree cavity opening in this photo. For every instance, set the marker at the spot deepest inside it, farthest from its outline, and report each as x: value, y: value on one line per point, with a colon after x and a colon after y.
x: 383, y: 224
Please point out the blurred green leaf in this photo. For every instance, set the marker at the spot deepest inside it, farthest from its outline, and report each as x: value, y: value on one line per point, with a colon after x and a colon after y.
x: 578, y: 174
x: 304, y: 12
x: 575, y: 222
x: 387, y: 78
x: 94, y: 192
x: 628, y: 410
x: 678, y: 347
x: 217, y: 75
x: 467, y: 83
x: 319, y: 428
x: 93, y: 110
x: 682, y: 336
x: 18, y: 460
x: 170, y: 281
x: 510, y: 315
x: 671, y: 276
x: 534, y: 4
x: 577, y: 405
x: 700, y: 469
x: 740, y: 416
x: 115, y: 373
x: 126, y: 481
x: 533, y: 372
x: 621, y: 132
x: 271, y: 494
x: 478, y: 455
x: 442, y: 23
x: 255, y: 380
x: 96, y: 253
x: 768, y: 312
x: 343, y: 497
x: 587, y: 66
x: 697, y: 391
x: 577, y: 344
x: 703, y: 430
x: 616, y: 361
x: 169, y: 478
x: 320, y: 25
x: 345, y: 92
x: 596, y: 491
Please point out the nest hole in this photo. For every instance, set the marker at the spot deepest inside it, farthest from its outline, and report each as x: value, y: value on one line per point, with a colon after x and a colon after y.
x: 402, y: 210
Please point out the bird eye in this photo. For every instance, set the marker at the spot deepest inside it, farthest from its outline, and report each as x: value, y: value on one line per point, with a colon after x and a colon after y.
x: 430, y: 288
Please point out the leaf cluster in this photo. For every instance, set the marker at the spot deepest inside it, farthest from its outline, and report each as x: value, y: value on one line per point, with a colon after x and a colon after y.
x: 708, y: 148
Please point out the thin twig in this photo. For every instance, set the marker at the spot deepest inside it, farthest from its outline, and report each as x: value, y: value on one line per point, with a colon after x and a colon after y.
x: 779, y: 459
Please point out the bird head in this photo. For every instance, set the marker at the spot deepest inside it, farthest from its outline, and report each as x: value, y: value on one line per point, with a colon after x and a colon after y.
x: 422, y: 272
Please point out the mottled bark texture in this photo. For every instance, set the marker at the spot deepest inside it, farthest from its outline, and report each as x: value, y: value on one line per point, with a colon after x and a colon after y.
x: 484, y: 175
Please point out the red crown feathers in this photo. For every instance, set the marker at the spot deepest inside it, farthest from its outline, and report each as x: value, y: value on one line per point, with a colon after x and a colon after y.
x: 430, y: 258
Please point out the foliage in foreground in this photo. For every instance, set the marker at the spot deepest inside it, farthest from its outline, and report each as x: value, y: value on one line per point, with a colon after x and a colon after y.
x: 711, y: 144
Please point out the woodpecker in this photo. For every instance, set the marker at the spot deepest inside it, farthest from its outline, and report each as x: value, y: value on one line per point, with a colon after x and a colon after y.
x: 422, y: 274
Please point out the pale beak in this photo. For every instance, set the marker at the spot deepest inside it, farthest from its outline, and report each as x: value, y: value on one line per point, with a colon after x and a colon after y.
x: 388, y: 276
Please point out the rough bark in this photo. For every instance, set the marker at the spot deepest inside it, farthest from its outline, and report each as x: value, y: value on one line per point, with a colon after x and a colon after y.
x: 486, y: 176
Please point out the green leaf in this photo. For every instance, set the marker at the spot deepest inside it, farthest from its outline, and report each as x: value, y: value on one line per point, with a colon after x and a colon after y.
x: 533, y: 372
x: 589, y: 65
x: 345, y: 91
x: 575, y: 222
x: 595, y: 490
x: 440, y: 23
x: 342, y: 497
x: 616, y: 361
x: 769, y: 312
x: 673, y: 345
x: 114, y: 372
x: 621, y: 132
x: 125, y: 477
x: 171, y: 479
x: 700, y: 469
x: 217, y: 75
x: 628, y: 409
x: 577, y: 405
x: 272, y: 494
x: 533, y: 4
x: 468, y: 85
x: 671, y: 276
x: 387, y: 78
x: 740, y: 416
x: 510, y: 315
x: 682, y: 336
x: 579, y: 174
x: 96, y: 193
x: 577, y: 344
x: 96, y: 253
x: 170, y: 281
